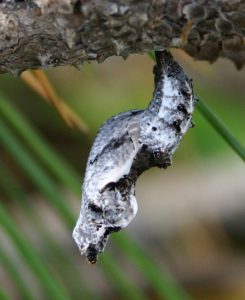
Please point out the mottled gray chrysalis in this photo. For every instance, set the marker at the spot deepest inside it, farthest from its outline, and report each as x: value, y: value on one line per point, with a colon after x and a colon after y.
x: 127, y: 145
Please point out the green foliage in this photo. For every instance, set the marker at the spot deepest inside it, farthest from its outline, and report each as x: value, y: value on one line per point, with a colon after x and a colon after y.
x: 223, y: 131
x: 3, y: 295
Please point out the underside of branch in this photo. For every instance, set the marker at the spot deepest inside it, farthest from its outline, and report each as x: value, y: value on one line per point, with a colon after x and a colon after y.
x: 49, y: 33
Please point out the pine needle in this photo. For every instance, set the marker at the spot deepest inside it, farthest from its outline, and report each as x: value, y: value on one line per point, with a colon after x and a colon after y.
x: 40, y: 83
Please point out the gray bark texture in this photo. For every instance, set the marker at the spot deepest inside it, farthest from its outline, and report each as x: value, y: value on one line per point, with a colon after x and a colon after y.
x: 49, y: 33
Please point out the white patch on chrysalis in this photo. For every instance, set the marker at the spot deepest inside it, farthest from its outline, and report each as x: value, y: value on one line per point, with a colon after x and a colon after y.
x: 169, y: 88
x: 127, y: 145
x: 118, y: 172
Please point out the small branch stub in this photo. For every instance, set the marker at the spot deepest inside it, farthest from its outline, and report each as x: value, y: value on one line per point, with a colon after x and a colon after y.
x: 127, y: 145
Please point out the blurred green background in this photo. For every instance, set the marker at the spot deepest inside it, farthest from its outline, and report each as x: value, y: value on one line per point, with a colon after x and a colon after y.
x: 187, y: 240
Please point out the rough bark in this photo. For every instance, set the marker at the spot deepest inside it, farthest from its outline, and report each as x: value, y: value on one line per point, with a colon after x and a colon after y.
x: 48, y: 33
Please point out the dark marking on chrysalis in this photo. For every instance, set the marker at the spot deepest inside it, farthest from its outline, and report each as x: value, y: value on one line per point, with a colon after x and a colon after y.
x: 176, y: 125
x: 182, y: 108
x: 94, y: 208
x: 91, y: 253
x: 110, y: 230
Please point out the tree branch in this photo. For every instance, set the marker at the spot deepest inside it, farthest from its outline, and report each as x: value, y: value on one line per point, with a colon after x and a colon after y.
x: 49, y: 33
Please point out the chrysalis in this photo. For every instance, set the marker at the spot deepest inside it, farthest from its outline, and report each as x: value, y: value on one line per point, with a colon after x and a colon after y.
x: 127, y: 145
